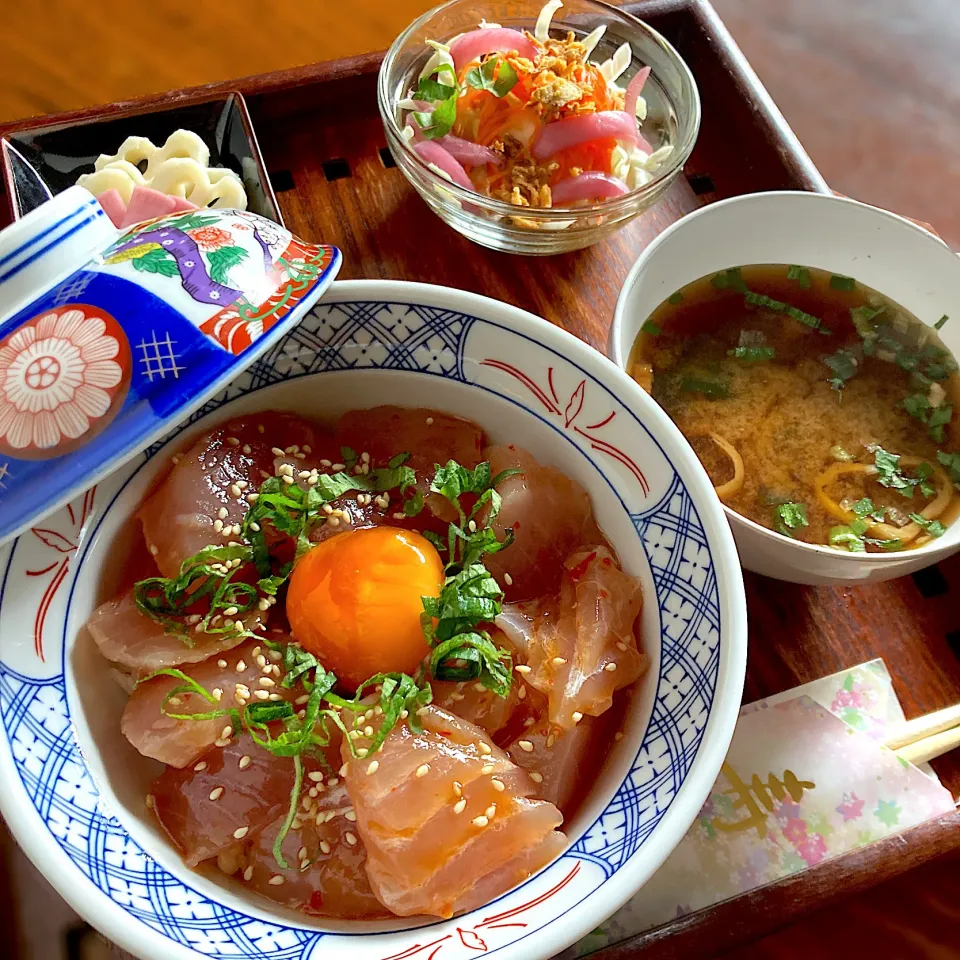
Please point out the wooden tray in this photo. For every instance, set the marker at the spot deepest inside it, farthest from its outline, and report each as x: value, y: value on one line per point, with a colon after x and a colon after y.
x: 324, y: 147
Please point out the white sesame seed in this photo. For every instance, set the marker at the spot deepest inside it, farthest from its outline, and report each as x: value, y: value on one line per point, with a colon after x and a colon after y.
x: 429, y: 421
x: 522, y: 693
x: 262, y: 694
x: 618, y: 736
x: 350, y: 815
x: 247, y: 448
x: 267, y: 682
x: 220, y: 742
x: 222, y: 513
x: 275, y: 655
x: 460, y: 806
x: 558, y: 661
x: 235, y: 490
x: 233, y: 441
x: 479, y: 687
x: 274, y: 696
x: 423, y: 769
x: 222, y: 664
x: 253, y: 497
x: 350, y: 838
x: 525, y: 745
x: 491, y: 811
x: 241, y: 666
x: 149, y: 800
x: 244, y: 762
x: 368, y: 731
x: 248, y: 873
x: 522, y: 668
x: 276, y: 880
x: 536, y: 777
x: 302, y: 853
x: 287, y: 480
x: 485, y: 747
x: 216, y: 793
x: 216, y: 693
x: 240, y: 833
x: 226, y: 732
x: 577, y: 716
x: 551, y: 740
x: 218, y: 526
x: 498, y: 785
x: 202, y: 765
x: 472, y: 526
x: 332, y: 782
x: 231, y: 611
x: 621, y: 646
x: 324, y: 846
x: 399, y: 516
x: 333, y: 521
x: 610, y: 667
x: 529, y: 722
x: 326, y: 463
x: 404, y: 714
x: 337, y: 467
x: 265, y: 475
x: 306, y: 448
x: 316, y: 776
x: 373, y: 768
x: 480, y: 821
x: 486, y: 769
x: 175, y: 459
x: 508, y: 580
x: 277, y: 452
x: 365, y: 457
x: 345, y: 769
x: 175, y: 701
x: 457, y: 789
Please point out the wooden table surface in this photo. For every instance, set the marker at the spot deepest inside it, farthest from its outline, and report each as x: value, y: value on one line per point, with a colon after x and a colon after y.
x: 870, y: 86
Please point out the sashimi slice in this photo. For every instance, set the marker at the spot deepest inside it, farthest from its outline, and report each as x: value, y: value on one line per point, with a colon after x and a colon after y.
x: 203, y: 806
x: 183, y: 204
x: 126, y: 636
x: 113, y: 206
x: 443, y: 813
x: 146, y: 204
x: 325, y: 873
x: 581, y: 647
x: 205, y: 496
x: 180, y: 742
x: 550, y: 516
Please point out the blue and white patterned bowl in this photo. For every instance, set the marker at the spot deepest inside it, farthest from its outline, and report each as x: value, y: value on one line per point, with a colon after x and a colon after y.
x: 72, y: 788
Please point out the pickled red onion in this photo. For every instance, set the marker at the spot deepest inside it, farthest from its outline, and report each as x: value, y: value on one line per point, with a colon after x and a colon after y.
x: 431, y: 152
x: 633, y: 91
x: 473, y: 45
x: 572, y: 131
x: 588, y: 186
x: 468, y: 153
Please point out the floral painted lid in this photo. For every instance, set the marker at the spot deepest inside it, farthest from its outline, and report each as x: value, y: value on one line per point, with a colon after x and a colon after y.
x: 107, y: 339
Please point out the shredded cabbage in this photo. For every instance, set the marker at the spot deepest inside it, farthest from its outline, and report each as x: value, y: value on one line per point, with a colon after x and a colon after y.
x: 614, y: 67
x: 541, y: 31
x: 440, y: 56
x: 591, y: 40
x: 489, y: 26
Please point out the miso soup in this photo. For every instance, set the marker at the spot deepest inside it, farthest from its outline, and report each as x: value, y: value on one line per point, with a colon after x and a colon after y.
x: 820, y: 408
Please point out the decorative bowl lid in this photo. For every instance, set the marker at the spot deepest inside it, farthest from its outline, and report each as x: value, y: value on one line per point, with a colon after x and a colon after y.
x: 114, y: 338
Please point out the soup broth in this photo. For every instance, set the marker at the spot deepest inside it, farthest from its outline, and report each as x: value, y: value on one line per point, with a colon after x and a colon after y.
x: 820, y: 408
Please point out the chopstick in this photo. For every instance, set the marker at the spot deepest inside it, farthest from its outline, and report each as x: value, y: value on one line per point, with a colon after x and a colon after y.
x: 927, y: 737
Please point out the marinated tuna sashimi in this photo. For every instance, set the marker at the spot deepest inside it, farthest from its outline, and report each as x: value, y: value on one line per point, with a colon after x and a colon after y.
x: 326, y: 862
x: 229, y: 793
x: 447, y: 781
x: 550, y: 516
x: 128, y: 637
x: 353, y: 722
x: 581, y: 646
x: 247, y: 673
x: 205, y: 496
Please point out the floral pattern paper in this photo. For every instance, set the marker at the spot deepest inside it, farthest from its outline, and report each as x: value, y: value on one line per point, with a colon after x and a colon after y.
x: 806, y: 779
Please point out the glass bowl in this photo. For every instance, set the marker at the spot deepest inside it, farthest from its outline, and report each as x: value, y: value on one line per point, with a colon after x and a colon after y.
x: 673, y: 117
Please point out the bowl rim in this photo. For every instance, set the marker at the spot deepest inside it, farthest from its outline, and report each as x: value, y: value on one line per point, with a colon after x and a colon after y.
x: 620, y: 358
x: 115, y: 921
x: 664, y: 173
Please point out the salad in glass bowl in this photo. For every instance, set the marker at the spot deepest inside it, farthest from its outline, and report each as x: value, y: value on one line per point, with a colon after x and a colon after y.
x: 537, y: 135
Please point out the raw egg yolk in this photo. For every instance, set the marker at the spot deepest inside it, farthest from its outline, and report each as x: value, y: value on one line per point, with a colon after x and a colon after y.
x: 354, y: 601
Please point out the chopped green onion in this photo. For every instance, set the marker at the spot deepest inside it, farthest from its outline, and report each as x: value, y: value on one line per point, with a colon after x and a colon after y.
x: 751, y: 354
x: 675, y: 298
x: 840, y: 282
x: 939, y: 324
x: 801, y: 275
x: 650, y: 328
x: 778, y: 306
x: 710, y: 388
x: 934, y: 527
x: 731, y: 279
x: 789, y: 517
x: 844, y: 364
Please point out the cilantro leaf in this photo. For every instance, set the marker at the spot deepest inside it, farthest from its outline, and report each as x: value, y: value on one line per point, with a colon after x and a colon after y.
x: 431, y: 90
x: 889, y: 474
x: 494, y: 75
